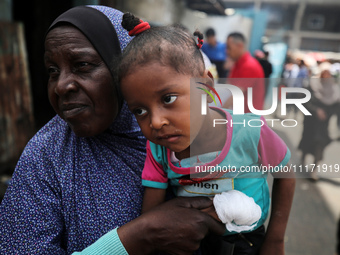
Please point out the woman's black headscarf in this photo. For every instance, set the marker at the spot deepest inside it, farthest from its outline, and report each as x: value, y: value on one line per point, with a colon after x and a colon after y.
x: 102, y: 27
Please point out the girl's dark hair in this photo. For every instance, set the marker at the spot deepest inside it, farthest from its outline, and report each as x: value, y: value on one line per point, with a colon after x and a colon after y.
x: 167, y: 45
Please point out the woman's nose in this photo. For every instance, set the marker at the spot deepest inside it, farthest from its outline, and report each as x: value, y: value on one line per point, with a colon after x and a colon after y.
x: 65, y: 84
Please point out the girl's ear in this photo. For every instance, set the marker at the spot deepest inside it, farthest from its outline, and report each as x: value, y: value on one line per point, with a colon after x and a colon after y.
x: 209, y: 79
x: 210, y: 75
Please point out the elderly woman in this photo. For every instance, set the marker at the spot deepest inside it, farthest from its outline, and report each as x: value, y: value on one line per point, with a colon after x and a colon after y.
x: 79, y: 177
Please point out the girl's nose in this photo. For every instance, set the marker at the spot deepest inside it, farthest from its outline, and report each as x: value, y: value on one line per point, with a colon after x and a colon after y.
x: 158, y: 120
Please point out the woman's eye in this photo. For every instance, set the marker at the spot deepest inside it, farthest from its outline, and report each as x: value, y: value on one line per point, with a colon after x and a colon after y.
x: 52, y: 70
x: 139, y: 111
x: 169, y: 99
x: 82, y: 64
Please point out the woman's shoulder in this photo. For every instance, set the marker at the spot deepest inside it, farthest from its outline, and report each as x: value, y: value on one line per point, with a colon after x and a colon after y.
x: 44, y: 149
x: 49, y: 135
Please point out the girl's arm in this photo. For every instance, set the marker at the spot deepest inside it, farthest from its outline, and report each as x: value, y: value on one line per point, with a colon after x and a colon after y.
x: 152, y: 198
x: 282, y: 198
x: 274, y: 152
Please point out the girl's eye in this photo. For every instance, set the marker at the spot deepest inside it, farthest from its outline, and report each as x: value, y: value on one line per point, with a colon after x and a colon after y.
x: 139, y: 111
x: 169, y: 99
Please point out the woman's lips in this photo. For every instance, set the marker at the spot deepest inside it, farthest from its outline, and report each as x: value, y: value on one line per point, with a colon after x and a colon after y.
x: 71, y: 110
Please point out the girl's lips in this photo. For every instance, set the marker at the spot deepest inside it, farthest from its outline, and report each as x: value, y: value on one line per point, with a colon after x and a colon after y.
x: 169, y: 138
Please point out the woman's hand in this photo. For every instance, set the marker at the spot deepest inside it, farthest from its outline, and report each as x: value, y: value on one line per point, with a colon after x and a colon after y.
x: 177, y: 227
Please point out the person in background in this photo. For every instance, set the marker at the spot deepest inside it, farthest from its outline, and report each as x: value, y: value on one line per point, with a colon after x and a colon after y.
x: 77, y: 186
x: 290, y: 72
x: 324, y: 103
x: 288, y: 79
x: 301, y: 81
x: 302, y: 75
x: 267, y: 67
x: 246, y: 72
x: 216, y: 52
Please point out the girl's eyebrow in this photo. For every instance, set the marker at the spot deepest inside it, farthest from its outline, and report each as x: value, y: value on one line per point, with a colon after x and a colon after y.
x: 159, y: 91
x: 165, y: 89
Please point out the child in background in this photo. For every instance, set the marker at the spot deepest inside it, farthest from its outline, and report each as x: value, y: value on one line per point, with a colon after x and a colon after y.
x: 155, y: 74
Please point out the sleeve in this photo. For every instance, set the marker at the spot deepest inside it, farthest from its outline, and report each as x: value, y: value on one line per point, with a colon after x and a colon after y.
x: 272, y: 150
x: 153, y: 174
x: 31, y: 211
x: 107, y: 244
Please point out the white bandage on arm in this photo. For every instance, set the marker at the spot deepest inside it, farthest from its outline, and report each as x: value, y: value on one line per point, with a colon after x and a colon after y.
x: 238, y: 211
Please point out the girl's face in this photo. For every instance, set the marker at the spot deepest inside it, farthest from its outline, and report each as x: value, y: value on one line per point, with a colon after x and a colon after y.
x: 159, y: 97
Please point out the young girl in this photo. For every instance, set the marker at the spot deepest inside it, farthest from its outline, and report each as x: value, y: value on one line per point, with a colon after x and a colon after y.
x: 162, y: 78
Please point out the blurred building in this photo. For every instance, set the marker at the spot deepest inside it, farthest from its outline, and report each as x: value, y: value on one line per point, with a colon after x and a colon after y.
x: 309, y: 25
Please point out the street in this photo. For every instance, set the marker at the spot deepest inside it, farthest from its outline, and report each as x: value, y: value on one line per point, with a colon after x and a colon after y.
x: 316, y: 208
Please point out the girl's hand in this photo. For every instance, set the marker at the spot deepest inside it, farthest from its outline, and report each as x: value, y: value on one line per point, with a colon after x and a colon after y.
x: 211, y: 211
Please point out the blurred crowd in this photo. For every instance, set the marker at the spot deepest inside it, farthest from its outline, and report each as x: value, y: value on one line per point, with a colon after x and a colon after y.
x: 322, y: 81
x: 229, y: 61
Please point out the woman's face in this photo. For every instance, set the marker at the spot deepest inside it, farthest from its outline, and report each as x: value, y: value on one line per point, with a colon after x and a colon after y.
x: 80, y: 86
